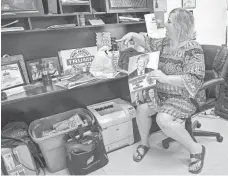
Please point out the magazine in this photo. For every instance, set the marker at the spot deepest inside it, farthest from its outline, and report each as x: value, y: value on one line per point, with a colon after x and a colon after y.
x: 76, y: 80
x: 142, y: 88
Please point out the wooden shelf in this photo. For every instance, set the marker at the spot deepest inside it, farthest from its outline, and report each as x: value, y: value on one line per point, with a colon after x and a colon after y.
x: 39, y: 91
x: 71, y: 28
x: 76, y: 3
x: 69, y: 13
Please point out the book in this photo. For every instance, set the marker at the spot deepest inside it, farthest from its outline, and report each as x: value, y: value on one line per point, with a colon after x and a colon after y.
x: 142, y: 87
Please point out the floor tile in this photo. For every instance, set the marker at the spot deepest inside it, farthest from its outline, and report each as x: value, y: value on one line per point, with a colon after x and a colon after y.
x: 62, y: 172
x: 171, y: 161
x: 98, y: 172
x: 221, y: 169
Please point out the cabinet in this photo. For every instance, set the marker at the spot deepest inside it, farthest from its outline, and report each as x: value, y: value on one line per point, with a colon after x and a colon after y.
x: 64, y: 15
x: 115, y: 6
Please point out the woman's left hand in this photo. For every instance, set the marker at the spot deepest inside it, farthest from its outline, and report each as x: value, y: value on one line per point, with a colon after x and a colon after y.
x: 159, y: 76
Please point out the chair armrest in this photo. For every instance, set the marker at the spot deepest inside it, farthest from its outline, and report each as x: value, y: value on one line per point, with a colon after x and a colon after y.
x: 212, y: 82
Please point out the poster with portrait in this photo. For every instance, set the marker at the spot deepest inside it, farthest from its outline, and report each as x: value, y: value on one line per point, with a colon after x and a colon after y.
x: 34, y: 70
x: 11, y: 75
x: 53, y: 66
x: 139, y: 81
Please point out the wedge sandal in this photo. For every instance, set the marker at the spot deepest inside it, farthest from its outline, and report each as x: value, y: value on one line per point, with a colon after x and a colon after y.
x: 140, y: 156
x: 199, y: 158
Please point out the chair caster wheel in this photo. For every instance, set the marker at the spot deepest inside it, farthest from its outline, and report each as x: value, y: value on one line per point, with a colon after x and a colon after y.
x: 165, y: 145
x: 198, y: 125
x: 219, y: 138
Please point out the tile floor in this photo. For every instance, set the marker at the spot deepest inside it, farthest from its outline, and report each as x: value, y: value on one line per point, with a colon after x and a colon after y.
x: 172, y: 161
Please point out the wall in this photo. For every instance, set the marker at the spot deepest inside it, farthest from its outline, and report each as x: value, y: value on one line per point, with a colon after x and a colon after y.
x: 34, y: 45
x: 210, y: 20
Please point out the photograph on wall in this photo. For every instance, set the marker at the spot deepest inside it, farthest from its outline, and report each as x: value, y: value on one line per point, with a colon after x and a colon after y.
x: 34, y: 70
x: 11, y: 75
x: 189, y: 4
x: 139, y: 68
x: 53, y: 66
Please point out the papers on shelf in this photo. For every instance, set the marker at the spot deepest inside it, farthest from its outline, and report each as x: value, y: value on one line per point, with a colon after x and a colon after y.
x: 75, y: 81
x: 61, y: 26
x: 8, y: 29
x: 14, y: 91
x: 73, y: 2
x: 96, y: 22
x: 122, y: 18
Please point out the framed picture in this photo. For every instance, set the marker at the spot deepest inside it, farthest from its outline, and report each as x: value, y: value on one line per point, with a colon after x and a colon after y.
x: 34, y: 70
x: 189, y: 4
x: 53, y: 66
x: 103, y: 39
x: 22, y: 7
x: 11, y: 75
x: 9, y: 59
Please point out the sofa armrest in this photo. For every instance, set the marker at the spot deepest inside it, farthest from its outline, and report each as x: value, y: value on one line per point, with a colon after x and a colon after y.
x: 212, y: 82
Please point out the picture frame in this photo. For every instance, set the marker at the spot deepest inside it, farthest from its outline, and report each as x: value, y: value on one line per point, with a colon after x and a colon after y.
x: 22, y: 8
x: 34, y: 70
x: 8, y: 59
x: 189, y: 4
x: 103, y: 39
x: 53, y: 65
x: 11, y: 75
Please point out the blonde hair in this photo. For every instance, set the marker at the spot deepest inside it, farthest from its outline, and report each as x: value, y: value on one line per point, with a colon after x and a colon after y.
x: 183, y: 22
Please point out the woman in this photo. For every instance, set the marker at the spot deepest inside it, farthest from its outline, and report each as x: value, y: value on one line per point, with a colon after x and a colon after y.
x: 179, y: 77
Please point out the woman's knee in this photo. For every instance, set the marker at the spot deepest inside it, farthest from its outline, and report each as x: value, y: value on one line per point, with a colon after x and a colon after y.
x: 164, y: 120
x: 143, y: 111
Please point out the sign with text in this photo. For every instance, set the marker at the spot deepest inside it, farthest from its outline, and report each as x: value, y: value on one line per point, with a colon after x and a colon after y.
x: 77, y: 60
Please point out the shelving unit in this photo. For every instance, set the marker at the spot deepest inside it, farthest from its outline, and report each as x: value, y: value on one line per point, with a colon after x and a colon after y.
x: 69, y: 13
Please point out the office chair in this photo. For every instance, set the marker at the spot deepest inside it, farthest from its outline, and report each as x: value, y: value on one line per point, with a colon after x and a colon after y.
x: 214, y: 86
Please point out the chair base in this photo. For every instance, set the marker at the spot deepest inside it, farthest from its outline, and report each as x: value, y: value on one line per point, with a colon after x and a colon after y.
x: 193, y: 132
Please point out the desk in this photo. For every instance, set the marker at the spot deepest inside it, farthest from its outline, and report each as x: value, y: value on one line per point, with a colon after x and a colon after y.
x: 37, y: 103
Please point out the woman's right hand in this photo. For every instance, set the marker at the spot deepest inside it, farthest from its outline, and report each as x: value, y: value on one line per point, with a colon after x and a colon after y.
x: 126, y: 38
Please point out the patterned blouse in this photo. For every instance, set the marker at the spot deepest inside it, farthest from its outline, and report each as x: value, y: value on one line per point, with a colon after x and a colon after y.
x: 188, y: 62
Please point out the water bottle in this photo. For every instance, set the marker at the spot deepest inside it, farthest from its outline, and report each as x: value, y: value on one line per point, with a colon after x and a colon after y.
x: 46, y: 78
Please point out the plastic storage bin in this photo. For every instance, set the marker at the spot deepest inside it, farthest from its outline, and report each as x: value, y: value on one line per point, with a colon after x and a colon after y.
x: 52, y: 146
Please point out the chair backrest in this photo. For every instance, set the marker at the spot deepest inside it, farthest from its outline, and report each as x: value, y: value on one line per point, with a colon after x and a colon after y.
x: 216, y: 65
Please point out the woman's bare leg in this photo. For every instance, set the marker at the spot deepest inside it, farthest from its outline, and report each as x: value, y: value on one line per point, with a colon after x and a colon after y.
x: 144, y: 122
x: 176, y: 131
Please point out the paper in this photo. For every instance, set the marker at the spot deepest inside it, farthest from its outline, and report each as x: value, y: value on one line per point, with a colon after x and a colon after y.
x: 141, y: 86
x: 96, y: 22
